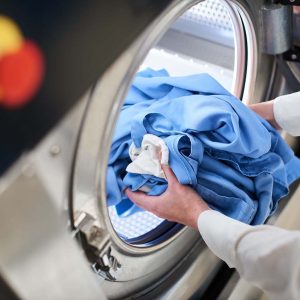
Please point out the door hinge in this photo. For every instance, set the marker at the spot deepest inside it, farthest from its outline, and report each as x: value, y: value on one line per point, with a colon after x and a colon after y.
x: 107, y: 266
x: 97, y: 245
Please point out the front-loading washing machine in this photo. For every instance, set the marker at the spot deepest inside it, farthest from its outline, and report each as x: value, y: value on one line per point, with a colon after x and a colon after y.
x: 61, y: 239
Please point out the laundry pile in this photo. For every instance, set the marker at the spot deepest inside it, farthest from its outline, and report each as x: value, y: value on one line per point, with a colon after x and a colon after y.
x: 233, y: 158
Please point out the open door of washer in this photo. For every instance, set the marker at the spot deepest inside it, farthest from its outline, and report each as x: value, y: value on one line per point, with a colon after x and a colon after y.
x: 140, y: 253
x: 143, y: 256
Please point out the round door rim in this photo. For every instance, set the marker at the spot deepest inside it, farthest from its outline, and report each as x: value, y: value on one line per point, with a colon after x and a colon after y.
x: 88, y: 182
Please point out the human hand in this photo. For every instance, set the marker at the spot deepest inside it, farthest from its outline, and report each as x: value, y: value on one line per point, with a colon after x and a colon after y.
x: 265, y: 110
x: 179, y: 203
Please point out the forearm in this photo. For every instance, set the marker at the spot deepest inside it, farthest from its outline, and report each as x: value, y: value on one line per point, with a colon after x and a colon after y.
x: 281, y: 113
x: 266, y: 111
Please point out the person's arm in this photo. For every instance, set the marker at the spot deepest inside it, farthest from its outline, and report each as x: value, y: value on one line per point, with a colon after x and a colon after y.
x: 266, y: 111
x: 266, y: 256
x: 179, y: 203
x: 287, y: 113
x: 282, y: 113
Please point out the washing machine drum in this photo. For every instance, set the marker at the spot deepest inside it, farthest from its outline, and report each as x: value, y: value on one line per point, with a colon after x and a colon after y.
x: 138, y: 255
x: 141, y: 254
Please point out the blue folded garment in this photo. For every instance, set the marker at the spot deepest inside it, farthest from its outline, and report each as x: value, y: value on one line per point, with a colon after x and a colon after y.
x: 233, y: 158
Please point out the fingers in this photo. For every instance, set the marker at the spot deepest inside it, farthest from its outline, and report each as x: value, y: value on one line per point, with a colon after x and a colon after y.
x: 266, y: 111
x: 170, y: 176
x: 159, y: 156
x: 142, y: 200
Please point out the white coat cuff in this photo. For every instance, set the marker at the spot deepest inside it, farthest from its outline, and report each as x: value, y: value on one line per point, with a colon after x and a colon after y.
x: 222, y: 234
x: 287, y: 113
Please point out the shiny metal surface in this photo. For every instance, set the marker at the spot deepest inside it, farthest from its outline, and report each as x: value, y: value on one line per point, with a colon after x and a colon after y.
x: 38, y: 258
x: 277, y: 28
x: 142, y: 270
x: 91, y: 161
x: 53, y: 157
x: 183, y: 283
x: 134, y: 226
x: 240, y: 50
x: 251, y: 59
x: 209, y: 20
x: 141, y: 265
x: 257, y: 81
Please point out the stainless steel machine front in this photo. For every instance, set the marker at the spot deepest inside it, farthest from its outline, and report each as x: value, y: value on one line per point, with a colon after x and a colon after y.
x: 73, y: 229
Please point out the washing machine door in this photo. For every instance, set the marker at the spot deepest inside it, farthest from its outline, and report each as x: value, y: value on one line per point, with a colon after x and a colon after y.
x: 143, y: 256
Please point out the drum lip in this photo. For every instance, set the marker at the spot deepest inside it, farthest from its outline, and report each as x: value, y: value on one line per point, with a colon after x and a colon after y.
x: 130, y: 61
x: 157, y: 235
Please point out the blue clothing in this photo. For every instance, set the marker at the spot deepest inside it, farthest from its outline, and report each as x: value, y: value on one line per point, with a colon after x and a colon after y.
x: 233, y: 158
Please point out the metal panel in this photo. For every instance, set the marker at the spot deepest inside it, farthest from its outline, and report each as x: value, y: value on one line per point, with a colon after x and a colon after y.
x: 276, y: 23
x: 38, y: 258
x: 160, y: 262
x: 209, y: 20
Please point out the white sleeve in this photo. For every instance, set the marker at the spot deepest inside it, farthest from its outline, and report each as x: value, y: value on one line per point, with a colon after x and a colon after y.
x: 287, y: 113
x: 266, y: 256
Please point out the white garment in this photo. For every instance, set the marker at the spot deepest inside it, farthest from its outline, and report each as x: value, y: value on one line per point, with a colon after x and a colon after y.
x: 287, y: 113
x: 146, y: 160
x: 266, y: 256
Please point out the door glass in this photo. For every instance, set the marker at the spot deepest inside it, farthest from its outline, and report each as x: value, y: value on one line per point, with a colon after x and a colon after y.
x: 200, y: 41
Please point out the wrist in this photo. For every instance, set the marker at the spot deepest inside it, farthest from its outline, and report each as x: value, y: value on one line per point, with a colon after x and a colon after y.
x: 197, y: 213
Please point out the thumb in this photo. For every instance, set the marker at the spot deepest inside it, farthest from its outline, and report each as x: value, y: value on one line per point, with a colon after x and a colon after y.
x: 141, y: 199
x: 171, y: 177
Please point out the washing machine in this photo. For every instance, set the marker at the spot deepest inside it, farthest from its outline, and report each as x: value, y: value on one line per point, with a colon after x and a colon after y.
x: 59, y: 238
